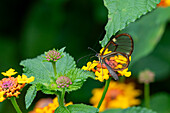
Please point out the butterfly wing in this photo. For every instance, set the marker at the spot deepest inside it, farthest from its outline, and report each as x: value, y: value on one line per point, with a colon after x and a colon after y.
x: 116, y: 60
x: 120, y: 43
x: 112, y: 73
x: 122, y: 47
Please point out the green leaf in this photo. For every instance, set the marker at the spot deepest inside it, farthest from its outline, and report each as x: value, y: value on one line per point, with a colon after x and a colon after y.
x: 123, y: 12
x: 153, y: 63
x: 62, y: 109
x: 65, y: 64
x: 147, y: 31
x: 78, y: 77
x: 62, y: 50
x: 30, y: 95
x: 45, y: 89
x: 43, y: 71
x: 160, y: 102
x: 44, y: 75
x: 130, y: 110
x: 82, y: 108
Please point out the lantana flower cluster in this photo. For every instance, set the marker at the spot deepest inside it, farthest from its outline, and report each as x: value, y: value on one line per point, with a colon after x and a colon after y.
x: 102, y: 72
x: 11, y: 86
x: 119, y: 95
x: 63, y: 82
x: 53, y: 55
x: 47, y: 105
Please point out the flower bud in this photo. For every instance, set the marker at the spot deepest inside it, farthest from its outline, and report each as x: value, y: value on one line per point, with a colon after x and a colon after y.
x: 63, y: 82
x: 53, y: 55
x: 146, y: 76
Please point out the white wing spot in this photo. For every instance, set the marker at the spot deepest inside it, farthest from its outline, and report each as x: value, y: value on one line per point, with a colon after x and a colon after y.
x: 114, y: 39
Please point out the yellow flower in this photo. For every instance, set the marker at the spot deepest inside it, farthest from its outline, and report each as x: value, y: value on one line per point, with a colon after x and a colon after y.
x: 119, y: 95
x: 90, y: 65
x: 11, y: 86
x: 125, y: 72
x: 119, y: 66
x: 167, y: 2
x: 106, y: 51
x: 24, y: 79
x: 9, y: 73
x: 115, y: 62
x: 2, y: 96
x: 50, y: 106
x: 102, y: 75
x: 120, y: 59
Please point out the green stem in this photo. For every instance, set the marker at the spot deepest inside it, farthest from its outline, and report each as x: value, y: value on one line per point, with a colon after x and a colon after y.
x: 14, y: 103
x: 104, y: 92
x: 54, y: 68
x: 147, y: 95
x: 61, y: 97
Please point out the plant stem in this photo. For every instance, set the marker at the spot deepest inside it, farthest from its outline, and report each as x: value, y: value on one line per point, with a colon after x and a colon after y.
x: 14, y: 103
x: 104, y: 92
x: 147, y: 95
x: 61, y: 97
x: 54, y: 68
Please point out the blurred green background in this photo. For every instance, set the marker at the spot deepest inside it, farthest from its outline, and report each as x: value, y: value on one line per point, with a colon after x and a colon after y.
x: 28, y: 28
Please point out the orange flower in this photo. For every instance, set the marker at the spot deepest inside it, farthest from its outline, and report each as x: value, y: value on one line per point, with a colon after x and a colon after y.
x: 10, y: 86
x: 47, y: 105
x: 119, y: 95
x: 164, y: 3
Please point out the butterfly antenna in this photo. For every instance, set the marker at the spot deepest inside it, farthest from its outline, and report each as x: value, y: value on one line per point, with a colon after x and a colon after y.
x: 92, y: 57
x: 92, y: 49
x: 83, y: 57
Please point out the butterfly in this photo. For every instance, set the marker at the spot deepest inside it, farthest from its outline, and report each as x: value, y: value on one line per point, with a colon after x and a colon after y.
x: 121, y: 47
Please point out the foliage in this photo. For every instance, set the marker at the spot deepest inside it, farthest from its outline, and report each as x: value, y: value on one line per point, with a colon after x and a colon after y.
x: 29, y: 97
x: 147, y: 32
x: 160, y: 102
x: 147, y: 54
x: 44, y: 75
x: 123, y: 12
x: 130, y: 110
x: 77, y: 108
x: 42, y: 25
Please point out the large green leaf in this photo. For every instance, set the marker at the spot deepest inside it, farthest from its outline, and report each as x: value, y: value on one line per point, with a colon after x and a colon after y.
x: 130, y: 110
x: 160, y: 102
x: 153, y: 63
x: 123, y: 12
x: 82, y: 108
x: 147, y: 32
x: 43, y: 71
x: 44, y: 75
x: 64, y: 64
x: 30, y: 95
x: 77, y: 76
